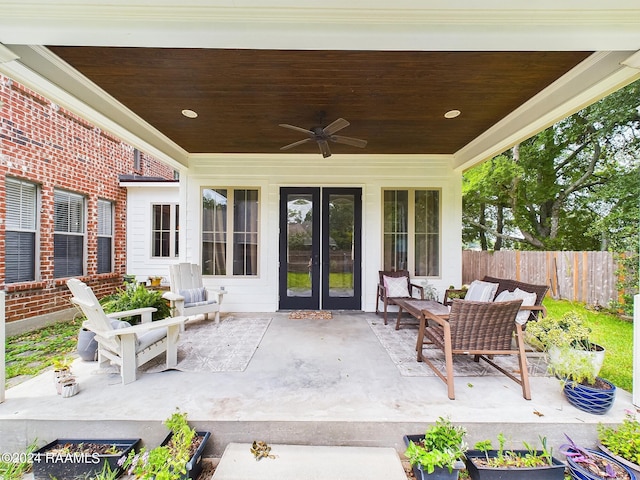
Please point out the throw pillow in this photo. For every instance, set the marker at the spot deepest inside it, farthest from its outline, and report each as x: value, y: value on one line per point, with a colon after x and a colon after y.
x: 528, y: 299
x: 505, y: 296
x: 481, y: 291
x: 193, y: 295
x: 396, y: 286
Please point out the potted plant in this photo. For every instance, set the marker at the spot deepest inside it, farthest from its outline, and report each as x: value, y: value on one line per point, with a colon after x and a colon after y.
x: 439, y: 452
x: 566, y: 339
x: 586, y: 464
x: 575, y: 360
x: 62, y: 375
x: 485, y: 463
x: 179, y: 456
x: 81, y: 458
x: 155, y: 280
x: 622, y: 443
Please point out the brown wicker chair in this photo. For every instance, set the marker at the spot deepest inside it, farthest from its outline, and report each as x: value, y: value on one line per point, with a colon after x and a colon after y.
x: 482, y: 329
x: 382, y: 291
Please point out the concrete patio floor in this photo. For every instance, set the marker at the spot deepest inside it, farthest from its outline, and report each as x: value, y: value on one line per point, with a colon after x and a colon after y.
x: 310, y: 382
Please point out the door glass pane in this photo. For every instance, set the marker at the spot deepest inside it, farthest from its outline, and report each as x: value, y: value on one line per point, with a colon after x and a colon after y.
x: 299, y: 244
x: 341, y: 246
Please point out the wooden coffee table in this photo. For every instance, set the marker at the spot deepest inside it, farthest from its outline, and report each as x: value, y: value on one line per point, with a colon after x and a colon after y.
x: 415, y: 307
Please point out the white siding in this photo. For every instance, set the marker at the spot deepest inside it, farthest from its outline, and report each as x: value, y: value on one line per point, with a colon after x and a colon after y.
x: 269, y: 173
x: 140, y: 197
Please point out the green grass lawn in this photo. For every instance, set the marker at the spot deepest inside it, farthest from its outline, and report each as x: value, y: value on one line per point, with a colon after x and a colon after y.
x: 614, y: 334
x: 30, y: 353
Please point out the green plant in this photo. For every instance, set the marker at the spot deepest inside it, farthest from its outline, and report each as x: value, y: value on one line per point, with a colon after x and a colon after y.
x: 165, y: 462
x: 624, y: 440
x: 106, y: 473
x: 457, y: 293
x: 133, y: 297
x: 18, y: 464
x: 511, y: 459
x: 443, y: 445
x: 567, y: 339
x: 568, y: 330
x: 62, y: 363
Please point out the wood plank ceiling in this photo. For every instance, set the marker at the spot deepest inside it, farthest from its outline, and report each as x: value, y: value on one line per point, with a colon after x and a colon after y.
x: 394, y: 100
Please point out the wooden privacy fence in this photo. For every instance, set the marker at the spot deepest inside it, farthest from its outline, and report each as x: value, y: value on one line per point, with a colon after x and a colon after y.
x: 588, y: 277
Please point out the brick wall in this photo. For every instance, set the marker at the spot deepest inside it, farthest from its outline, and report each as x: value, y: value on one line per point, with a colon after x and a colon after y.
x: 44, y: 144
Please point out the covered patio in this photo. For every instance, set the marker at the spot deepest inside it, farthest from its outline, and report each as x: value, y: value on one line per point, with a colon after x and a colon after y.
x: 393, y: 71
x: 310, y: 382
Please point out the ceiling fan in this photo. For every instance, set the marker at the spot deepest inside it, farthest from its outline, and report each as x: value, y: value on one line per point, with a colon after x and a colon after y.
x: 324, y: 135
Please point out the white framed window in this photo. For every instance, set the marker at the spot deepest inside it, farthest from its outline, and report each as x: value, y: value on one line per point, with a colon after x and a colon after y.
x: 230, y: 230
x: 411, y: 231
x: 21, y: 230
x: 69, y: 234
x: 105, y: 236
x: 165, y: 221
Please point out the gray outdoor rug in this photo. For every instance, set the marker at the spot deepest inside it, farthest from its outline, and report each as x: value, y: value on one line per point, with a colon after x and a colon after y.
x: 207, y: 347
x: 401, y: 348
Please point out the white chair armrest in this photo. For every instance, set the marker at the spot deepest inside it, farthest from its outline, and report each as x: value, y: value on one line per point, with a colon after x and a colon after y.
x: 172, y: 297
x: 218, y: 294
x: 144, y: 327
x: 145, y: 313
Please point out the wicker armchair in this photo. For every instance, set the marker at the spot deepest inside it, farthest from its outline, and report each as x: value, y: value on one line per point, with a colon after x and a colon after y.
x: 388, y: 299
x: 482, y: 329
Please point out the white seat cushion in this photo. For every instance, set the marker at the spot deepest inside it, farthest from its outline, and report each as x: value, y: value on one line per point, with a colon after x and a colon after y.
x: 396, y: 286
x: 480, y: 291
x: 147, y: 339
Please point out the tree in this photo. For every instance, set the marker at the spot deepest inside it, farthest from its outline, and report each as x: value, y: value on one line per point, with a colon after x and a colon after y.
x: 573, y: 186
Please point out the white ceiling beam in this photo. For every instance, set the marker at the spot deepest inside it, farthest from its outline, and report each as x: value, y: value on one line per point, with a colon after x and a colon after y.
x: 332, y: 24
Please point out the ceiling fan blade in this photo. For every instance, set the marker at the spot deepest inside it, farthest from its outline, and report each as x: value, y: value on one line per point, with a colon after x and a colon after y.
x: 324, y: 148
x: 297, y: 129
x: 334, y: 126
x: 295, y: 144
x: 355, y: 142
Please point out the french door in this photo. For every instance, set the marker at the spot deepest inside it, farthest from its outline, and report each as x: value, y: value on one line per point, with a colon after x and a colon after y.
x: 320, y: 248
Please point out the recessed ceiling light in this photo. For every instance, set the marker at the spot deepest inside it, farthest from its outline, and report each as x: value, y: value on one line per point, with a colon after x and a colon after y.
x: 189, y: 113
x: 452, y: 114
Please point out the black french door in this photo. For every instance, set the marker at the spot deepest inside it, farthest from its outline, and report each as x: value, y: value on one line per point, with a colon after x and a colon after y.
x: 320, y: 248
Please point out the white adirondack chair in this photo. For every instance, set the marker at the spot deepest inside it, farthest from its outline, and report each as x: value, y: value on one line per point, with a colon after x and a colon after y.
x: 128, y: 347
x: 188, y: 297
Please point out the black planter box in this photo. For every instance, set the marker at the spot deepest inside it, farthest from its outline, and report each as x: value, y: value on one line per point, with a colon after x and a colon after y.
x: 553, y: 472
x: 438, y: 473
x: 194, y: 465
x: 48, y: 465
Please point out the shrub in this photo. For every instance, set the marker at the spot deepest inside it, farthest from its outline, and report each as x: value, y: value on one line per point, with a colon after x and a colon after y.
x: 136, y: 296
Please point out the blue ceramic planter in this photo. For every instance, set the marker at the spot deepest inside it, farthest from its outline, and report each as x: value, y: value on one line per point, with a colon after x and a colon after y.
x: 579, y: 473
x: 588, y: 399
